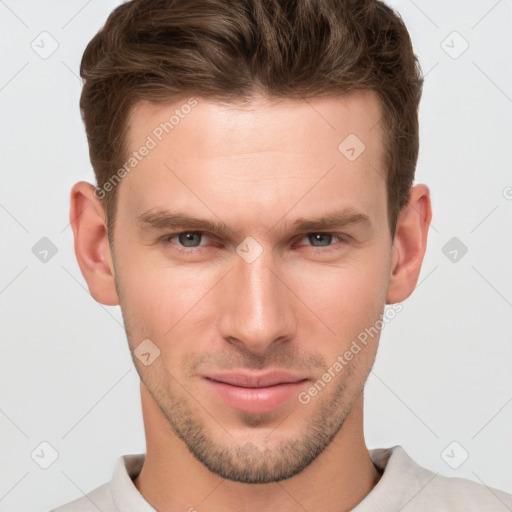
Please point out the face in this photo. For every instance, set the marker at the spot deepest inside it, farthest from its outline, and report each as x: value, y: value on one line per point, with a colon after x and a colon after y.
x: 251, y: 250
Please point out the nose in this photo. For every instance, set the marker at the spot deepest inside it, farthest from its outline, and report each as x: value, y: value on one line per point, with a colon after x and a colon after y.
x: 257, y: 308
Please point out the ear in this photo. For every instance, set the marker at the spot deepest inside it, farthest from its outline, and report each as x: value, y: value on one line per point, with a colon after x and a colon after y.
x: 409, y: 244
x: 92, y: 249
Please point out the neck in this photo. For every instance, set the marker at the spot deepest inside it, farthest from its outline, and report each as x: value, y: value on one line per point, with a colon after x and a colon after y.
x: 173, y: 479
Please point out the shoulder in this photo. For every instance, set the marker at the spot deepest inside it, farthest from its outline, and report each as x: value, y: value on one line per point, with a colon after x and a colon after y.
x: 98, y: 499
x: 415, y: 488
x: 462, y: 494
x: 118, y: 494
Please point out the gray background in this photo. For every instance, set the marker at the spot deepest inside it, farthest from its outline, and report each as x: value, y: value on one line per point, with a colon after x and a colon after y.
x: 442, y: 374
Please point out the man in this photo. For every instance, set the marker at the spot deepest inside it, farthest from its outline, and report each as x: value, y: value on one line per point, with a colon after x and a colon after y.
x: 254, y: 214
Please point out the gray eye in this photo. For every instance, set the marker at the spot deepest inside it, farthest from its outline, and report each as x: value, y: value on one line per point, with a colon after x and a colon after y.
x: 190, y: 238
x: 323, y: 239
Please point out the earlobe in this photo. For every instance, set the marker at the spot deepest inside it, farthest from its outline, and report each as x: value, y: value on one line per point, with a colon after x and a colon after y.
x: 91, y: 243
x: 409, y: 244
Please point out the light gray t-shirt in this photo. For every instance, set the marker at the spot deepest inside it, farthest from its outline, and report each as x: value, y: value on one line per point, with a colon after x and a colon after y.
x: 404, y: 486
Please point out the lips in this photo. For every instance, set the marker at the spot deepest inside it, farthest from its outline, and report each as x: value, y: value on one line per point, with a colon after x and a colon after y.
x: 251, y: 380
x: 255, y: 393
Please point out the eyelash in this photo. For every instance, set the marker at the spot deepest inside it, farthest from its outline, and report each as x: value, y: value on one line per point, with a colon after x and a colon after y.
x: 165, y: 241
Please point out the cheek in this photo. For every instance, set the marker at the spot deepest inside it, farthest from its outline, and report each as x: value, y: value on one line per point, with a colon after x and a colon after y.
x: 346, y: 297
x: 164, y: 296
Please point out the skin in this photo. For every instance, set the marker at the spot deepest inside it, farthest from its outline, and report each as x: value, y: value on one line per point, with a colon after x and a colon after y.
x: 297, y: 306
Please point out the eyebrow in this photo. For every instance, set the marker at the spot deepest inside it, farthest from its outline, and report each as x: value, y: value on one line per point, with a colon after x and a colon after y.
x: 165, y: 219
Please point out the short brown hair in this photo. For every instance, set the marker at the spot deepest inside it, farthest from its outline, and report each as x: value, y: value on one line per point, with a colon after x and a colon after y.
x: 161, y: 50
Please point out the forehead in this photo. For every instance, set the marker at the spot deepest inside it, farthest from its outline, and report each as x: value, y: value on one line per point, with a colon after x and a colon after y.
x: 260, y: 155
x: 212, y: 122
